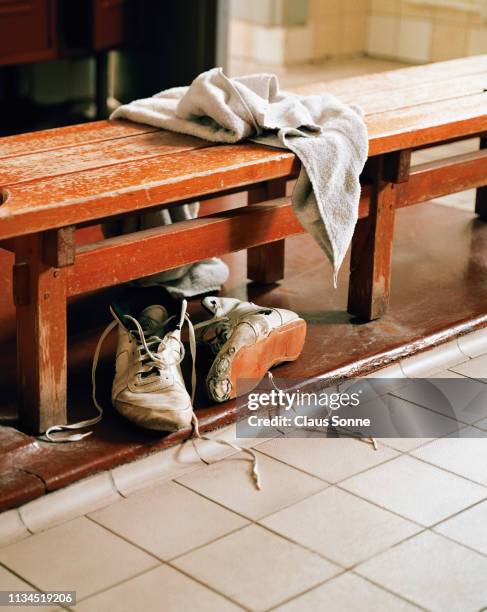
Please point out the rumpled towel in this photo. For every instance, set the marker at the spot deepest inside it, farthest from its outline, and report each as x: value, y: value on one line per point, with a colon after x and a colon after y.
x: 328, y: 137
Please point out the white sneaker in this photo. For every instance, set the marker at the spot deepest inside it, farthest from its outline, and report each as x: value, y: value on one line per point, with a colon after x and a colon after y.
x: 148, y: 388
x: 247, y: 340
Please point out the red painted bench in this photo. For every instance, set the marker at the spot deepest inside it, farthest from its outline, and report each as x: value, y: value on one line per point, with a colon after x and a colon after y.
x: 56, y: 180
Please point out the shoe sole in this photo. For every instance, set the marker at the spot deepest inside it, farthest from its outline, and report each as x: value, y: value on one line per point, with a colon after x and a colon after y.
x: 251, y: 363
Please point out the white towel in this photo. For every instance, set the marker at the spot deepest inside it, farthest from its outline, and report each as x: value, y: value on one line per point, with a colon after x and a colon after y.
x: 328, y: 137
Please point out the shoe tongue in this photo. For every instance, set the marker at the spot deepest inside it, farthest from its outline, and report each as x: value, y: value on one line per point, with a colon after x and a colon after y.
x: 219, y: 306
x: 153, y: 317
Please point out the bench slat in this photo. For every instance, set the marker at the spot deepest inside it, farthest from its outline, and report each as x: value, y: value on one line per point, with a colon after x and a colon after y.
x: 427, y: 123
x: 69, y: 160
x: 98, y: 193
x: 409, y: 77
x: 398, y: 99
x: 56, y: 138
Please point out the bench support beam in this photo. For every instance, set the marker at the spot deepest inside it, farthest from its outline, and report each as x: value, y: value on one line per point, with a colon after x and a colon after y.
x: 265, y: 264
x: 481, y: 196
x: 370, y: 265
x: 40, y: 299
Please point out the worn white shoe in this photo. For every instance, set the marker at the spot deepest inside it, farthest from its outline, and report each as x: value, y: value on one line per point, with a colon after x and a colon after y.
x: 148, y: 388
x: 247, y: 340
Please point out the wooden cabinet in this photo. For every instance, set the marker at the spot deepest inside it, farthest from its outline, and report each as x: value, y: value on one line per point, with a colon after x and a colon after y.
x: 27, y: 31
x: 36, y: 30
x: 111, y: 23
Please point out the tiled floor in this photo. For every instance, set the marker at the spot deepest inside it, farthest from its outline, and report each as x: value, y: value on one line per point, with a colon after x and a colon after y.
x: 337, y: 526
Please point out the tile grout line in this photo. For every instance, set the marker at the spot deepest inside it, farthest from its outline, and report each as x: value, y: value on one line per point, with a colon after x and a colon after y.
x: 447, y: 537
x: 443, y: 469
x: 378, y: 584
x: 327, y: 481
x: 374, y: 503
x: 312, y: 588
x: 202, y: 583
x: 377, y: 505
x: 124, y: 538
x: 118, y: 583
x: 255, y: 522
x: 409, y: 401
x: 479, y: 380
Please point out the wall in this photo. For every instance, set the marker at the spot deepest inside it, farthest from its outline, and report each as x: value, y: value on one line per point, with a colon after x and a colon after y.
x: 296, y: 31
x: 422, y: 32
x: 284, y: 32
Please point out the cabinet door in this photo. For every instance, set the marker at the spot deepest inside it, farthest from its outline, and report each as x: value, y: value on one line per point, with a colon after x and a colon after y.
x: 112, y: 21
x: 27, y: 31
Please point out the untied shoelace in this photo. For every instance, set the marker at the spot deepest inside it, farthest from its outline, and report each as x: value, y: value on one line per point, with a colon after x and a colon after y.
x: 56, y: 432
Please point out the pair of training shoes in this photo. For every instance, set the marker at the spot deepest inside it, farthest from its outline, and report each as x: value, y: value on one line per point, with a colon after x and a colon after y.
x: 245, y: 340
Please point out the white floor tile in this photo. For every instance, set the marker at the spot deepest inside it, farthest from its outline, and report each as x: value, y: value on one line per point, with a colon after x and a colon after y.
x: 433, y: 572
x: 393, y: 416
x: 474, y: 344
x: 433, y: 360
x: 256, y: 568
x: 76, y: 556
x: 68, y: 503
x: 474, y: 368
x: 340, y: 526
x: 347, y: 593
x: 415, y: 490
x: 468, y: 527
x: 328, y: 458
x: 162, y: 588
x: 229, y: 483
x: 168, y: 520
x: 463, y: 400
x: 11, y: 582
x: 466, y: 455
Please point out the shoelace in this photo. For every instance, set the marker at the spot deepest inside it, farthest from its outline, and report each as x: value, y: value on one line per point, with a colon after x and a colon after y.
x: 342, y: 430
x: 154, y: 360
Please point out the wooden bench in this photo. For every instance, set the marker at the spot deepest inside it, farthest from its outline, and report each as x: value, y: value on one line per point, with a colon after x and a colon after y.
x: 57, y: 180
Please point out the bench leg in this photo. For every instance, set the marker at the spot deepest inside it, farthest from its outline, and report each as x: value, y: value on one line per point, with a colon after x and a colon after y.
x: 40, y: 299
x: 481, y: 196
x: 265, y: 264
x: 370, y: 265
